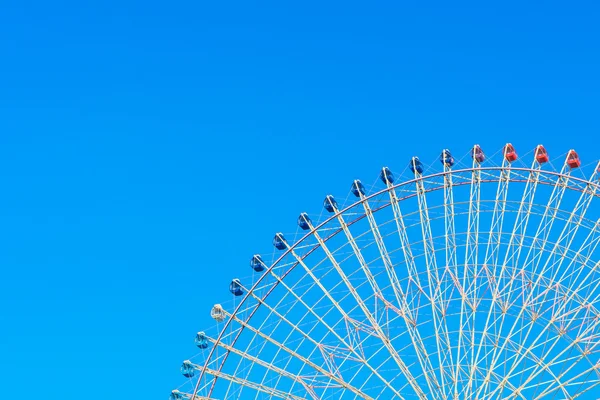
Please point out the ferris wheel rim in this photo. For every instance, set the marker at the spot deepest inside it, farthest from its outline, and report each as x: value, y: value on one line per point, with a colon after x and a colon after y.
x: 392, y: 187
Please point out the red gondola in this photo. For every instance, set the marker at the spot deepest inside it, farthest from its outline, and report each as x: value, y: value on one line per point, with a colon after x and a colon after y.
x: 541, y: 155
x: 509, y: 153
x: 573, y: 159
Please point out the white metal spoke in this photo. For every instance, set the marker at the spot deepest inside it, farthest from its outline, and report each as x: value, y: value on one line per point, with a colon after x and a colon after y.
x: 434, y: 285
x: 413, y: 275
x: 490, y: 259
x: 567, y: 235
x: 435, y: 290
x: 346, y: 348
x: 543, y: 230
x: 470, y: 279
x: 250, y: 384
x: 271, y: 367
x: 496, y: 282
x: 451, y: 267
x: 404, y: 308
x: 305, y: 360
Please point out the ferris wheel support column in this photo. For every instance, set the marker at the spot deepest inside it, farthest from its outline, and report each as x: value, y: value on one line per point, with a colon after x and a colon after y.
x: 498, y: 303
x: 567, y: 235
x: 387, y: 262
x: 405, y: 244
x: 490, y: 259
x: 413, y: 275
x: 358, y: 254
x: 451, y: 257
x: 400, y: 297
x: 543, y: 230
x: 517, y: 239
x: 590, y: 243
x: 469, y: 291
x: 435, y: 290
x: 345, y: 279
x: 410, y: 323
x: 375, y: 325
x: 451, y: 266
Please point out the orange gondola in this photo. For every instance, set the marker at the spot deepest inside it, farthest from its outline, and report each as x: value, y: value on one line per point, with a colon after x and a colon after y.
x: 573, y: 160
x: 541, y: 155
x: 509, y: 153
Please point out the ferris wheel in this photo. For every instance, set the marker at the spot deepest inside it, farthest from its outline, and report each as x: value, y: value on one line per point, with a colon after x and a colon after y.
x: 475, y: 277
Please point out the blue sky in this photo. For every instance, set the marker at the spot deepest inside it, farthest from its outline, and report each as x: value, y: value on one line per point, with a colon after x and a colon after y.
x: 148, y: 149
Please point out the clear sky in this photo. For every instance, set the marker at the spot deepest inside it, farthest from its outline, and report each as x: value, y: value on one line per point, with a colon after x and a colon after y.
x: 148, y: 149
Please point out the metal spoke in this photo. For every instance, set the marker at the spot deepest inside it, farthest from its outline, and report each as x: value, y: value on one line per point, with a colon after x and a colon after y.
x: 434, y: 285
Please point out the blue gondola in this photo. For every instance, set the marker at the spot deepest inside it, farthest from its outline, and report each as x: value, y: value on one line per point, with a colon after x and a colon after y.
x: 257, y: 263
x: 386, y: 175
x: 176, y: 395
x: 358, y: 188
x: 201, y: 340
x: 235, y: 287
x: 477, y: 154
x: 330, y: 204
x: 304, y: 221
x: 416, y: 166
x: 187, y: 369
x: 446, y: 158
x: 279, y: 242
